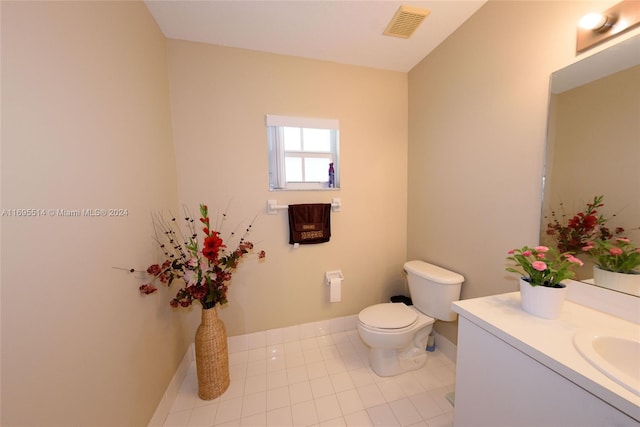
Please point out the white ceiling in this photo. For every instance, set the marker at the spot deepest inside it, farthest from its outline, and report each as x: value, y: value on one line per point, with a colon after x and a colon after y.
x: 348, y: 32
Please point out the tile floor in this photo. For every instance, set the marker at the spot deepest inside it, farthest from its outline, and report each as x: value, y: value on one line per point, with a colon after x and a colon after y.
x: 309, y: 377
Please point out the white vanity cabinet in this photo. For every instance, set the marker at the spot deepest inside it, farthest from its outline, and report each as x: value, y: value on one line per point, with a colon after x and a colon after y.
x: 514, y: 369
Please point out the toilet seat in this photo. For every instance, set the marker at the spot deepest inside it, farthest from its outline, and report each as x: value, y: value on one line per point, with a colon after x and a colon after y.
x: 388, y: 317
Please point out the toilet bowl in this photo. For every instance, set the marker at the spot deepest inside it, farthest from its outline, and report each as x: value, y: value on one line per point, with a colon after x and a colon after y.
x: 397, y: 334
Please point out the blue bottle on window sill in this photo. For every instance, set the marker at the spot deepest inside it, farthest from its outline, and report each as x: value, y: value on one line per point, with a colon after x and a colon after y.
x: 332, y: 183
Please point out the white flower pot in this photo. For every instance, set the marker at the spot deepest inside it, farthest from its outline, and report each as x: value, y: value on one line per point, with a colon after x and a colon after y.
x: 542, y: 301
x: 627, y: 283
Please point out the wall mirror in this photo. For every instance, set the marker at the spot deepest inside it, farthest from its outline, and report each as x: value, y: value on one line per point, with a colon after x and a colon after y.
x: 593, y: 141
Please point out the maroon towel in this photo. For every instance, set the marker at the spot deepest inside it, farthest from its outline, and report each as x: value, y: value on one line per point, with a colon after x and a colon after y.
x: 309, y: 223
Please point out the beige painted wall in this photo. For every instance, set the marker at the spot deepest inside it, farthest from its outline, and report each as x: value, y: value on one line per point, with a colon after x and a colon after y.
x: 220, y: 97
x: 477, y: 126
x: 85, y: 124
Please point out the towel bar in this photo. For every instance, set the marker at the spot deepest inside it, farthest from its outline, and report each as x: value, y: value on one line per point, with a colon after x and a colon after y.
x: 273, y: 206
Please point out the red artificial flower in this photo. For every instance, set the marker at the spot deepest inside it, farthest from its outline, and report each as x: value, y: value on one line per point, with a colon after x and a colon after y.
x: 147, y: 289
x: 212, y: 245
x: 154, y: 269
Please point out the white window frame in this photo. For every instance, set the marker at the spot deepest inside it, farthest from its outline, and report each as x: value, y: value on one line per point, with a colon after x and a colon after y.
x: 277, y: 153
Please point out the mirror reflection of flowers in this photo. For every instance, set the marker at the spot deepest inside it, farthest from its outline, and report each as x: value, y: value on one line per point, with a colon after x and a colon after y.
x: 618, y: 255
x: 205, y: 270
x: 573, y: 234
x: 543, y: 266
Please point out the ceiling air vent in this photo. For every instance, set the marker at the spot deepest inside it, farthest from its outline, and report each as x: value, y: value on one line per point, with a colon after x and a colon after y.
x: 405, y: 21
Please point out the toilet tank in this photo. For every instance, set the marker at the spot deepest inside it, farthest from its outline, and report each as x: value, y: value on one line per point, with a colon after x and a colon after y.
x: 433, y: 289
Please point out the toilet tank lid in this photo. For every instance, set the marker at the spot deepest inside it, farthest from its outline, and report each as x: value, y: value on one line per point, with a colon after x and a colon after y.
x: 433, y: 273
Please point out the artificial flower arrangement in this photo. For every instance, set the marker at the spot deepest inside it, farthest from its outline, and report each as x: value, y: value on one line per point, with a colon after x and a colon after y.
x: 618, y: 255
x: 543, y: 266
x: 205, y: 270
x: 581, y: 228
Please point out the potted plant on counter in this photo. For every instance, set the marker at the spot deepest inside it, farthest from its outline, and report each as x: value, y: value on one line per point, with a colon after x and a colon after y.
x: 542, y: 270
x: 617, y: 264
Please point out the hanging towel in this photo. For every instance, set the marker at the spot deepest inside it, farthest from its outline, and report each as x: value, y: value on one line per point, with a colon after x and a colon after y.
x: 309, y: 223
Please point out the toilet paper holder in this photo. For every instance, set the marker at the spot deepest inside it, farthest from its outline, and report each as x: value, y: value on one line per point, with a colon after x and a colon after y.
x: 330, y: 275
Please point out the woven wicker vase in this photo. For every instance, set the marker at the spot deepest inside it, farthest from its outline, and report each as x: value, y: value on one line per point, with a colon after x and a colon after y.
x: 212, y: 356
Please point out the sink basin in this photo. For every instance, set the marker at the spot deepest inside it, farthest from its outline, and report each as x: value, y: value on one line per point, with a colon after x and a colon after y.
x: 615, y: 354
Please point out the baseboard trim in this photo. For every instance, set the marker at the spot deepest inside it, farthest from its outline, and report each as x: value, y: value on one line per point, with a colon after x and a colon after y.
x: 446, y: 347
x: 163, y: 408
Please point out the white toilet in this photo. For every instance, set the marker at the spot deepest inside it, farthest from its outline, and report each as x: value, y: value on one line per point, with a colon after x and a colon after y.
x: 396, y: 333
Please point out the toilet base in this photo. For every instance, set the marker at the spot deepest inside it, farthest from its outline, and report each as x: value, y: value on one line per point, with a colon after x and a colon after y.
x: 388, y: 362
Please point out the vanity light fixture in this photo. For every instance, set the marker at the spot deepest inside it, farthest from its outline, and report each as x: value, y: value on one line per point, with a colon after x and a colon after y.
x: 595, y: 28
x: 597, y: 22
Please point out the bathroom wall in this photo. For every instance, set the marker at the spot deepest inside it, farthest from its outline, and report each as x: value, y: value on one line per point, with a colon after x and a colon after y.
x: 85, y: 125
x: 219, y: 99
x: 477, y: 127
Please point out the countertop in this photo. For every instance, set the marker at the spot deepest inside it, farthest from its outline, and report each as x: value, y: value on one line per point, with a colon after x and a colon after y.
x: 550, y: 342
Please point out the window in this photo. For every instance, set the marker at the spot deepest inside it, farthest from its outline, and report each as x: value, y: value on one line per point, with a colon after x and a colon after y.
x: 302, y: 152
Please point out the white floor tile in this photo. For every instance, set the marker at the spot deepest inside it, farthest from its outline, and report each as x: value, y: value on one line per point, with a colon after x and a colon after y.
x: 405, y: 412
x: 358, y: 419
x: 321, y: 387
x: 444, y: 420
x: 203, y: 416
x: 304, y: 414
x: 300, y: 392
x: 409, y: 383
x: 280, y: 417
x: 317, y: 375
x: 371, y: 396
x: 275, y: 350
x: 276, y: 363
x: 253, y: 404
x: 391, y: 390
x: 439, y: 396
x: 426, y: 405
x: 310, y: 343
x: 311, y: 356
x: 382, y: 416
x: 235, y: 390
x: 336, y: 422
x: 178, y: 419
x: 350, y: 401
x: 255, y: 384
x: 317, y: 370
x: 328, y: 408
x: 297, y: 375
x: 229, y: 410
x: 294, y: 360
x: 361, y: 377
x: 258, y: 420
x: 256, y: 367
x: 342, y: 381
x: 278, y: 398
x: 292, y: 347
x: 276, y: 379
x: 238, y: 371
